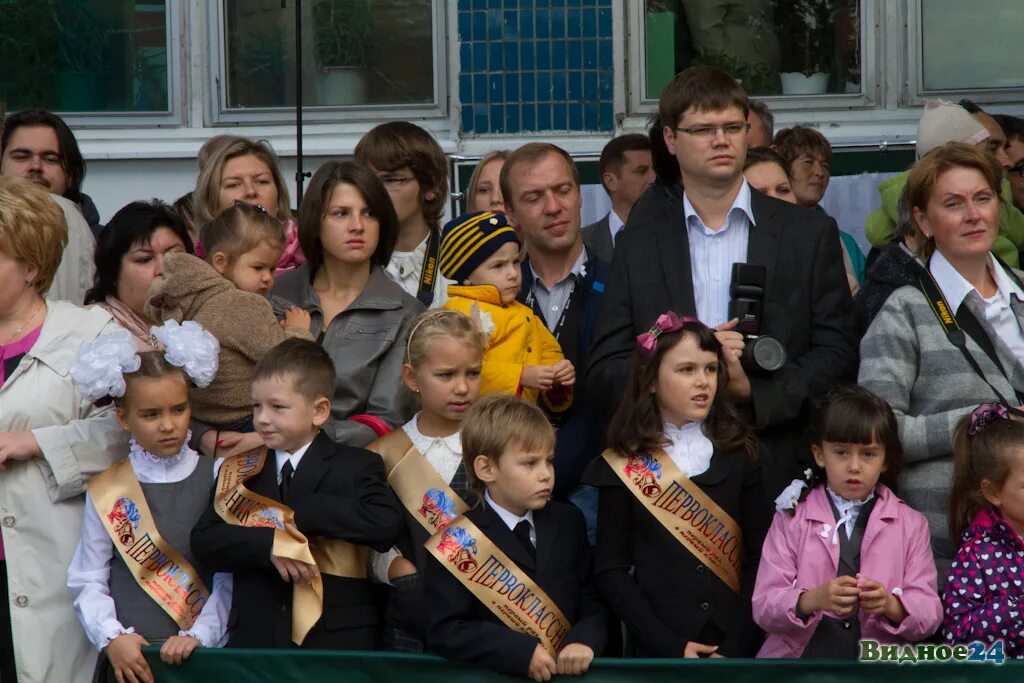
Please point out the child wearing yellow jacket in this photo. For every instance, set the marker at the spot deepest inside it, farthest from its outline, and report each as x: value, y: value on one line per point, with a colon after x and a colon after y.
x: 480, y: 251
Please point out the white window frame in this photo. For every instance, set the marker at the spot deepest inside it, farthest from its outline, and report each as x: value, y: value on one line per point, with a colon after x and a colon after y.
x: 915, y: 93
x: 220, y: 114
x: 174, y: 115
x: 870, y: 58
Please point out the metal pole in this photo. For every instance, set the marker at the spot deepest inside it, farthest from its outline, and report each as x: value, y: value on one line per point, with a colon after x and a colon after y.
x: 300, y: 176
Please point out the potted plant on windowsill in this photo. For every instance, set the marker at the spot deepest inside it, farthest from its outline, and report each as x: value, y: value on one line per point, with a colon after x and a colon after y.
x: 809, y: 27
x: 342, y: 31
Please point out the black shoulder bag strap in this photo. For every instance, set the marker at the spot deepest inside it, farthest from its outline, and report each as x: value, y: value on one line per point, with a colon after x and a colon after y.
x: 428, y: 273
x: 956, y: 326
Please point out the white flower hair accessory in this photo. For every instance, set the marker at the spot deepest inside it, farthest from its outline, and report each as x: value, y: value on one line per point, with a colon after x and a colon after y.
x: 100, y: 366
x: 190, y: 347
x: 790, y: 495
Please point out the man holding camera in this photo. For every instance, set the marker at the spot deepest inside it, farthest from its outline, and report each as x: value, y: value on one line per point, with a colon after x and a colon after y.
x: 791, y: 285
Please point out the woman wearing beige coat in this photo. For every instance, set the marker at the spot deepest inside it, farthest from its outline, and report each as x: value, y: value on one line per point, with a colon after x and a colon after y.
x: 51, y: 442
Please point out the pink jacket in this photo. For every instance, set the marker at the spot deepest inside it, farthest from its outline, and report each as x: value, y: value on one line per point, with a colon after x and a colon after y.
x: 798, y: 555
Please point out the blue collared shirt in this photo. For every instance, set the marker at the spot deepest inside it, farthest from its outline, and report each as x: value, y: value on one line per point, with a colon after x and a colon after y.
x: 712, y: 253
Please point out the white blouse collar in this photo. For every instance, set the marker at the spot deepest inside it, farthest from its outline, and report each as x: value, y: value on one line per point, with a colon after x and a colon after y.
x: 849, y: 510
x: 153, y: 469
x: 689, y: 448
x: 423, y: 443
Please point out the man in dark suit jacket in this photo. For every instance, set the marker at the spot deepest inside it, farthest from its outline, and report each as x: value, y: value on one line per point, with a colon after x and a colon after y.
x: 626, y: 171
x: 680, y: 257
x: 337, y: 492
x: 562, y: 282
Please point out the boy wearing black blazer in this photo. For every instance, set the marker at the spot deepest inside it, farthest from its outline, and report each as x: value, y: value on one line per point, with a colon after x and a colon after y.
x: 336, y: 493
x: 507, y: 447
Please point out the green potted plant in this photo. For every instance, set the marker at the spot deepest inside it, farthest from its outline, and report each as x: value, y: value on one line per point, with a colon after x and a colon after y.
x: 809, y: 27
x: 342, y: 31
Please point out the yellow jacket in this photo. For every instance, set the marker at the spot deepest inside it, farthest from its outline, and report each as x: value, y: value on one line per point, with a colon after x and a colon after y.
x: 517, y: 338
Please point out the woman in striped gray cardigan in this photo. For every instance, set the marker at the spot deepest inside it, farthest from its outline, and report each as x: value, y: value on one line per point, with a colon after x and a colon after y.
x: 906, y: 356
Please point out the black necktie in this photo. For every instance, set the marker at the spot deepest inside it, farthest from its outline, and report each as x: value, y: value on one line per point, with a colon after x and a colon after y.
x: 522, y: 532
x: 286, y: 479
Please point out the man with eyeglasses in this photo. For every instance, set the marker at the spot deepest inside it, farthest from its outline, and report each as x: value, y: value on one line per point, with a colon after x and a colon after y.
x: 414, y: 169
x: 677, y: 253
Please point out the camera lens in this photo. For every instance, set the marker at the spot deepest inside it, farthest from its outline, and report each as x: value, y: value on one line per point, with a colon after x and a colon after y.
x: 767, y: 353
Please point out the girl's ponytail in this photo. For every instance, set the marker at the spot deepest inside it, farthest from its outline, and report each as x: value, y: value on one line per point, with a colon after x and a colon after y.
x: 983, y: 444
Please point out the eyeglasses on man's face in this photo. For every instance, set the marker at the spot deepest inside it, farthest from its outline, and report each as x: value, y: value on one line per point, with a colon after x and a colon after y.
x: 1017, y: 170
x: 707, y: 132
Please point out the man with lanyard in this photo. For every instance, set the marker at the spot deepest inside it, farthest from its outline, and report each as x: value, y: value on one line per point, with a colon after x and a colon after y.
x: 677, y: 254
x: 562, y: 283
x: 414, y: 170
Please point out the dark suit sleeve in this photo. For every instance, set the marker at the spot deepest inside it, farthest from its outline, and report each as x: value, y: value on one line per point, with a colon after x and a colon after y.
x: 223, y: 547
x: 365, y: 512
x: 455, y: 634
x: 591, y: 625
x: 617, y: 586
x: 831, y: 357
x: 614, y: 336
x: 755, y: 515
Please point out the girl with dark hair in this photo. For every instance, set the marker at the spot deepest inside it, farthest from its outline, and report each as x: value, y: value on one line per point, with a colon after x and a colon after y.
x: 682, y: 509
x: 129, y: 256
x: 984, y: 592
x: 845, y: 558
x: 347, y: 230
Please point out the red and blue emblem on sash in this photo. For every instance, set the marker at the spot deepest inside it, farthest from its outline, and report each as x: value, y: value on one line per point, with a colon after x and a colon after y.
x: 458, y: 546
x: 437, y: 508
x: 644, y: 470
x: 125, y: 518
x: 267, y: 518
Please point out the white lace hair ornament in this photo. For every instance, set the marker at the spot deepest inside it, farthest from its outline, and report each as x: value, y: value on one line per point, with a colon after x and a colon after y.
x: 99, y: 369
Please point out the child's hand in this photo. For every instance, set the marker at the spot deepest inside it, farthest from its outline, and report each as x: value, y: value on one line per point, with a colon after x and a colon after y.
x: 297, y: 317
x: 574, y: 659
x: 18, y: 446
x: 875, y: 599
x: 538, y: 377
x: 565, y: 373
x: 694, y: 650
x: 177, y: 649
x: 293, y: 570
x: 125, y: 655
x: 233, y: 443
x: 542, y: 665
x: 400, y: 567
x: 838, y: 595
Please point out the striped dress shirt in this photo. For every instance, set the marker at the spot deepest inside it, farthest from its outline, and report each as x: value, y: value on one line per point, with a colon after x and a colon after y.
x: 712, y: 253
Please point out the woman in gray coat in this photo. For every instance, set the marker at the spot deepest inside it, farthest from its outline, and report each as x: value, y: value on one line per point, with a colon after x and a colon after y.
x: 347, y: 230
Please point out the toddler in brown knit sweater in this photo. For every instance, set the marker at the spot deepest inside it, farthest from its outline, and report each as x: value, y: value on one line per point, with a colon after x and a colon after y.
x: 225, y: 293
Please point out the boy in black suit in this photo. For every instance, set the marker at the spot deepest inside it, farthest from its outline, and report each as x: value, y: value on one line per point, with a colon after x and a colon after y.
x: 341, y: 505
x: 507, y: 447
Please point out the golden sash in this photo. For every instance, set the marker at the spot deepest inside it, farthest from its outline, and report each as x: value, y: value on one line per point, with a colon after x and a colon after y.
x: 421, y: 489
x: 159, y: 569
x: 237, y: 505
x: 689, y: 514
x: 498, y: 583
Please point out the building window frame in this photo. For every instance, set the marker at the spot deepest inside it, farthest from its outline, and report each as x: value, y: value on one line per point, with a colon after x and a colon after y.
x: 219, y: 113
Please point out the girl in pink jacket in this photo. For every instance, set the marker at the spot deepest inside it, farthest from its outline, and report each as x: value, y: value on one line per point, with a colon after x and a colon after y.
x: 845, y: 559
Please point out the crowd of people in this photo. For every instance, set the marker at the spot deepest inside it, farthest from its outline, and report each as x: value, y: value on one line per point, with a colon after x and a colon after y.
x: 706, y: 425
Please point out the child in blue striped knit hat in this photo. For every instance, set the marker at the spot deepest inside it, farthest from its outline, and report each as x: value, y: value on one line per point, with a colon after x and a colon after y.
x: 480, y: 251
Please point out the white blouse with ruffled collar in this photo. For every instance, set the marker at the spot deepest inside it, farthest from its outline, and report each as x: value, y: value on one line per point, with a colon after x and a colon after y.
x: 689, y: 448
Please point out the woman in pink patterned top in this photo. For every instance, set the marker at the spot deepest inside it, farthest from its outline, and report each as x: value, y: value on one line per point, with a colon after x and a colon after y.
x: 984, y: 595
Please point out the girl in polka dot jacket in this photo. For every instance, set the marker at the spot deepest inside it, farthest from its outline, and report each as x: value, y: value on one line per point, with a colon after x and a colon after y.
x: 984, y: 595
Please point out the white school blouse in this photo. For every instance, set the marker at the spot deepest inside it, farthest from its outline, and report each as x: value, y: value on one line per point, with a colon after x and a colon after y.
x: 444, y: 453
x: 89, y: 573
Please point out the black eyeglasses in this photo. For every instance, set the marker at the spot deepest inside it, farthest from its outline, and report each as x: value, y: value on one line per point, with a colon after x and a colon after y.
x: 1017, y: 170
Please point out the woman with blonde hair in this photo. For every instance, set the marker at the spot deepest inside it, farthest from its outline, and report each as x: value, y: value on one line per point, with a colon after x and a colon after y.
x: 52, y: 441
x: 954, y: 340
x: 236, y: 169
x: 484, y: 190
